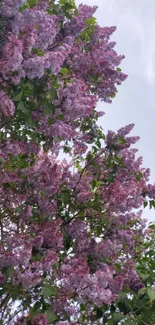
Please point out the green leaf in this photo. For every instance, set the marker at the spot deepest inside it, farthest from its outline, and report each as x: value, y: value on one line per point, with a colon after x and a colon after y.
x: 152, y: 204
x: 51, y: 317
x: 22, y: 108
x: 151, y: 294
x: 18, y: 97
x: 131, y: 322
x: 138, y: 176
x: 120, y: 140
x: 94, y: 183
x: 30, y: 85
x: 9, y: 271
x: 67, y: 149
x: 113, y: 95
x: 151, y: 225
x: 29, y: 122
x: 99, y: 313
x: 64, y: 71
x: 32, y: 3
x: 48, y: 109
x: 141, y: 291
x: 60, y: 116
x: 14, y: 294
x: 53, y: 93
x: 38, y: 51
x: 35, y: 309
x: 48, y: 94
x: 49, y: 291
x: 67, y: 239
x: 99, y: 230
x: 91, y: 21
x: 51, y: 121
x: 2, y: 291
x: 98, y: 143
x: 82, y: 307
x: 145, y: 204
x: 117, y: 317
x: 66, y: 196
x: 144, y: 276
x: 122, y: 295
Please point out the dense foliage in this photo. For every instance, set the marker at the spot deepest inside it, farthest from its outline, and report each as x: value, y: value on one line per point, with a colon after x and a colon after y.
x: 74, y: 249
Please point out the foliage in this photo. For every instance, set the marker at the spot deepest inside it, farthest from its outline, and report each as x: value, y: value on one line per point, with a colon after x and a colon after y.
x: 74, y: 248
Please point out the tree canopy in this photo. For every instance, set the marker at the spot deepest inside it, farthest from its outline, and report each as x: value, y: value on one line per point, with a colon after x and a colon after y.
x: 74, y: 248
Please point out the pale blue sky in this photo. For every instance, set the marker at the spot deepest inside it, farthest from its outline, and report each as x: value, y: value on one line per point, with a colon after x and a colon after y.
x: 134, y: 103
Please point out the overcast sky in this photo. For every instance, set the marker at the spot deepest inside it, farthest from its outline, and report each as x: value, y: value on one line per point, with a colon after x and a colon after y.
x: 134, y: 103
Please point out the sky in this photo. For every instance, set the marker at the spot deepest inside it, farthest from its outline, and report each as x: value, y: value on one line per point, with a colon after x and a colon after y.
x: 134, y: 102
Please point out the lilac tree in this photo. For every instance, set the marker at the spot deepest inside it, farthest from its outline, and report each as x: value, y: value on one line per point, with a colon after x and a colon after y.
x: 72, y: 236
